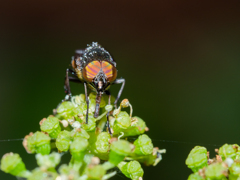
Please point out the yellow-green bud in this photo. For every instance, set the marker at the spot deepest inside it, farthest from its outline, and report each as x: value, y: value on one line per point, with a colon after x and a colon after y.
x: 63, y: 140
x: 197, y: 158
x: 51, y: 126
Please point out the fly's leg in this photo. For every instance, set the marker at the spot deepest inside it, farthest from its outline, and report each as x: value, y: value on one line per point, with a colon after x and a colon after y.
x: 67, y: 85
x: 73, y: 78
x: 87, y: 100
x: 119, y: 81
x: 109, y: 103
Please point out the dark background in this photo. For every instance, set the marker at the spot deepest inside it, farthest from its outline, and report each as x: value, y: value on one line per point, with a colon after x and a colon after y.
x: 180, y: 59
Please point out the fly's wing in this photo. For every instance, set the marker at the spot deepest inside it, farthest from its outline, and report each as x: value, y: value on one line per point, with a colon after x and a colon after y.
x: 79, y: 52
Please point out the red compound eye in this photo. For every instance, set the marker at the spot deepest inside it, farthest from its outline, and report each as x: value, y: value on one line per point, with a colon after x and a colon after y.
x: 92, y: 69
x: 109, y: 70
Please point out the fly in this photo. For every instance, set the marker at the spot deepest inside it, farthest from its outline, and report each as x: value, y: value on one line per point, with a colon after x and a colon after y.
x: 95, y: 68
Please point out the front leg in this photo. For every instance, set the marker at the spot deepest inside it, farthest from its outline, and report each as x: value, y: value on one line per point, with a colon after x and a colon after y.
x: 119, y: 81
x: 87, y: 101
x: 67, y: 85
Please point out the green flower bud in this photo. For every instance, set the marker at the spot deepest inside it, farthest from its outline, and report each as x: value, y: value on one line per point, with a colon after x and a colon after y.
x: 143, y: 145
x: 104, y: 100
x: 91, y: 124
x: 78, y: 100
x: 88, y: 158
x: 80, y: 133
x: 228, y: 150
x: 108, y: 107
x: 122, y: 122
x: 102, y: 145
x: 197, y: 158
x: 48, y: 161
x: 95, y: 172
x: 119, y: 150
x: 216, y: 171
x: 92, y: 96
x: 12, y: 163
x: 136, y: 128
x: 195, y: 176
x: 64, y: 169
x: 92, y: 105
x: 237, y: 156
x: 92, y: 101
x: 37, y: 174
x: 68, y: 172
x: 80, y: 110
x: 66, y: 110
x: 51, y: 126
x: 235, y: 169
x: 63, y: 140
x: 131, y: 169
x: 78, y: 148
x: 39, y: 143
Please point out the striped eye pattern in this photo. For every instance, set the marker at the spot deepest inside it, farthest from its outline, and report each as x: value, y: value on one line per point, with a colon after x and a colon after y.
x: 92, y: 69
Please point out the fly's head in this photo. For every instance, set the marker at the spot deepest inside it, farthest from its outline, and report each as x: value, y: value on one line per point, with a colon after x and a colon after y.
x: 99, y: 68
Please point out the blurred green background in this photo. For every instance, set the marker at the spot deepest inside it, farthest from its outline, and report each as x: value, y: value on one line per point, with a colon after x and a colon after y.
x: 180, y: 59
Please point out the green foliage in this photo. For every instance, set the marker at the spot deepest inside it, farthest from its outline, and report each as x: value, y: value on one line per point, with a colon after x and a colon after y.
x: 119, y: 150
x: 48, y: 161
x: 143, y: 145
x: 12, y: 163
x: 136, y: 128
x: 38, y: 143
x: 216, y: 171
x: 131, y: 169
x: 63, y: 140
x: 122, y: 122
x: 93, y: 150
x: 225, y: 166
x: 197, y: 159
x: 228, y: 151
x: 51, y: 126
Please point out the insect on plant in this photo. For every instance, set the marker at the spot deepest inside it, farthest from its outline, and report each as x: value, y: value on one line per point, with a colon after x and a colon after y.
x: 95, y: 68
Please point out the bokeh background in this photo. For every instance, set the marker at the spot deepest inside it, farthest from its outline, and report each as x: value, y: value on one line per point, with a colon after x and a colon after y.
x: 180, y: 59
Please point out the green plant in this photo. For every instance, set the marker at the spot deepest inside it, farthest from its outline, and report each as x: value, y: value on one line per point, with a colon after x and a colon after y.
x: 226, y: 164
x: 95, y: 154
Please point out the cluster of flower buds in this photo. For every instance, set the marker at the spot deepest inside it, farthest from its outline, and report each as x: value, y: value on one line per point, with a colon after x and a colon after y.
x: 225, y: 166
x: 95, y: 153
